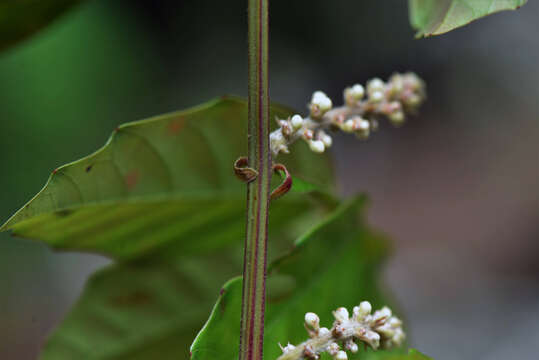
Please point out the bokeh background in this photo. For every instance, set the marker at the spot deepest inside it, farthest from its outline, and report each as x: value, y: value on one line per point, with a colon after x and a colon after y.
x: 457, y: 188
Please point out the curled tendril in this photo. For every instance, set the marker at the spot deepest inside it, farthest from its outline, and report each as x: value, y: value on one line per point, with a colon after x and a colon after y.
x: 285, y: 186
x: 243, y: 171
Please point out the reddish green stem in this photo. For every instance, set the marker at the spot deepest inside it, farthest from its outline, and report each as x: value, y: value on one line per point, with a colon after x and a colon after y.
x: 258, y: 191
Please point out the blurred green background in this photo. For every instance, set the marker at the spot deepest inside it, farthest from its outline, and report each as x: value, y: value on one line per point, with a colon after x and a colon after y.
x: 457, y: 187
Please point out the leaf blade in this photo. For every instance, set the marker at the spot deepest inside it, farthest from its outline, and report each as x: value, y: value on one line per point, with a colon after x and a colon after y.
x: 435, y: 17
x: 149, y: 176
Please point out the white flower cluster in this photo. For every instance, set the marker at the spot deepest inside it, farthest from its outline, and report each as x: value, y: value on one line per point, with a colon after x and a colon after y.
x: 380, y: 329
x: 362, y: 109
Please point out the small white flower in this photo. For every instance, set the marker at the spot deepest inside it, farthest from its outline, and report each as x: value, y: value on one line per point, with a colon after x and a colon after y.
x: 296, y: 121
x: 341, y: 355
x: 317, y: 146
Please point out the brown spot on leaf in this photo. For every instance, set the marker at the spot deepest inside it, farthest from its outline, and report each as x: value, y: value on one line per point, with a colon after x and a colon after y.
x: 64, y: 212
x: 131, y: 179
x: 89, y: 167
x: 175, y: 126
x: 137, y: 298
x: 222, y: 302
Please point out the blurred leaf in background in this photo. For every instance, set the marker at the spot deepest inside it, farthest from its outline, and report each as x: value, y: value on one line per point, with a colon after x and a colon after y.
x: 22, y: 18
x: 435, y: 17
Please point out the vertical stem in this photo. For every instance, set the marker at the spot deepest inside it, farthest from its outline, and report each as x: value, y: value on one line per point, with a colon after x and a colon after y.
x: 254, y: 271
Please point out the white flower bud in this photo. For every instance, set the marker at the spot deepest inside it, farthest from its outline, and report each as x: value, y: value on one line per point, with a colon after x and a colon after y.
x: 278, y: 142
x: 308, y: 134
x: 312, y: 320
x: 324, y: 331
x: 399, y: 337
x: 397, y: 83
x: 386, y: 330
x: 317, y: 146
x: 341, y: 355
x: 348, y: 126
x: 394, y: 322
x: 362, y: 128
x: 322, y: 101
x: 296, y: 121
x: 341, y: 314
x: 325, y: 138
x: 357, y: 91
x: 397, y: 118
x: 350, y: 345
x: 384, y: 313
x: 362, y: 310
x: 375, y: 85
x: 376, y: 96
x: 363, y: 125
x: 285, y: 128
x: 372, y: 338
x: 365, y: 307
x: 412, y: 81
x: 333, y: 349
x: 412, y: 100
x: 353, y: 94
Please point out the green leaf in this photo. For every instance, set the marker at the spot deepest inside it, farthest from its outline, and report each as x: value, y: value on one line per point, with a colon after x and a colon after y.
x: 435, y: 17
x: 141, y: 311
x: 22, y: 18
x: 155, y: 185
x: 334, y: 264
x: 152, y: 308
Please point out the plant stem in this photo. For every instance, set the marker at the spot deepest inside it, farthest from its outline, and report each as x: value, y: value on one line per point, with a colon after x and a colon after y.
x: 258, y: 191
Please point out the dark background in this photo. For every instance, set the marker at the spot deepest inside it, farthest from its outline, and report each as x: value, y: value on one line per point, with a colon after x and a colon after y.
x: 457, y: 188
